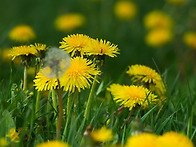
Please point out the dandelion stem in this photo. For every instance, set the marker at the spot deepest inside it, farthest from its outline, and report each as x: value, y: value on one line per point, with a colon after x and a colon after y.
x: 68, y: 115
x: 68, y: 106
x: 54, y: 106
x: 60, y: 111
x: 54, y: 100
x: 87, y: 110
x: 37, y: 104
x: 25, y: 77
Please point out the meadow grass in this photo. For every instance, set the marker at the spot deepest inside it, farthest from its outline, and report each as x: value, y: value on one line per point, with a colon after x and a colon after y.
x: 175, y: 62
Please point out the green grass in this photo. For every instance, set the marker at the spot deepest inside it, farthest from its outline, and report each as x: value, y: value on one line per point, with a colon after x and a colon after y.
x: 175, y: 61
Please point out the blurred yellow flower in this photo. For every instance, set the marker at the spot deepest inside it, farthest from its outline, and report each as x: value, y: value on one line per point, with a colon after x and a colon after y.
x: 79, y: 74
x: 3, y: 142
x: 143, y: 140
x: 125, y: 10
x: 43, y: 83
x: 13, y: 135
x: 101, y: 47
x: 190, y: 39
x: 130, y: 96
x: 147, y: 76
x: 158, y: 37
x: 53, y: 143
x: 158, y: 19
x: 31, y: 71
x: 174, y: 139
x: 102, y: 135
x: 6, y: 58
x: 75, y: 44
x: 69, y: 22
x: 22, y: 33
x: 22, y: 51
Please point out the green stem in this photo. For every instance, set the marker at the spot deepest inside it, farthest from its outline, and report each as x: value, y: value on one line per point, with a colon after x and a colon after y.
x: 60, y: 111
x: 87, y: 110
x: 54, y: 106
x: 68, y: 115
x: 190, y: 124
x: 37, y: 104
x: 25, y: 77
x: 31, y: 122
x: 54, y: 100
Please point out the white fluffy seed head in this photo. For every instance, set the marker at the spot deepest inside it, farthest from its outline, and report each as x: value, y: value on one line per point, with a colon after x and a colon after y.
x: 56, y: 62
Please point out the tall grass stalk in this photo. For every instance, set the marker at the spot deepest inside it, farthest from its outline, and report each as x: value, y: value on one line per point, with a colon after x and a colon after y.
x: 88, y: 105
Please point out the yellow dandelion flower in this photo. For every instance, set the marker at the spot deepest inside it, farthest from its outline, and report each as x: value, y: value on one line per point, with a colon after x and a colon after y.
x: 69, y: 22
x: 3, y: 142
x: 75, y: 44
x: 102, y: 47
x: 22, y: 51
x: 158, y: 19
x: 102, y: 135
x: 43, y: 83
x: 53, y: 143
x: 144, y: 74
x: 158, y: 37
x: 130, y: 96
x: 190, y: 39
x: 13, y: 135
x: 173, y: 139
x: 22, y: 33
x: 143, y: 140
x: 39, y: 47
x: 79, y: 74
x: 125, y: 10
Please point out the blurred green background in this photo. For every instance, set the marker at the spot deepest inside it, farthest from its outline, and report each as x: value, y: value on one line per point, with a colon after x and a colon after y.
x: 102, y: 23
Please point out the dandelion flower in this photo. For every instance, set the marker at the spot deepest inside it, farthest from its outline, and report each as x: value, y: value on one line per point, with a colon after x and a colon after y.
x: 75, y: 44
x: 39, y: 47
x: 53, y: 143
x: 102, y: 135
x: 22, y: 33
x: 144, y: 74
x: 79, y: 74
x: 158, y: 19
x: 172, y: 139
x: 158, y: 37
x: 22, y: 51
x: 56, y: 62
x: 102, y: 47
x: 43, y: 83
x: 143, y: 140
x: 130, y: 96
x: 190, y: 39
x: 125, y: 10
x: 13, y: 135
x: 69, y: 22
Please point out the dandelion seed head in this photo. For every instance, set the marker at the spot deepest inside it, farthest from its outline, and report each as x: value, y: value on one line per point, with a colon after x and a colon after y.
x: 56, y: 62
